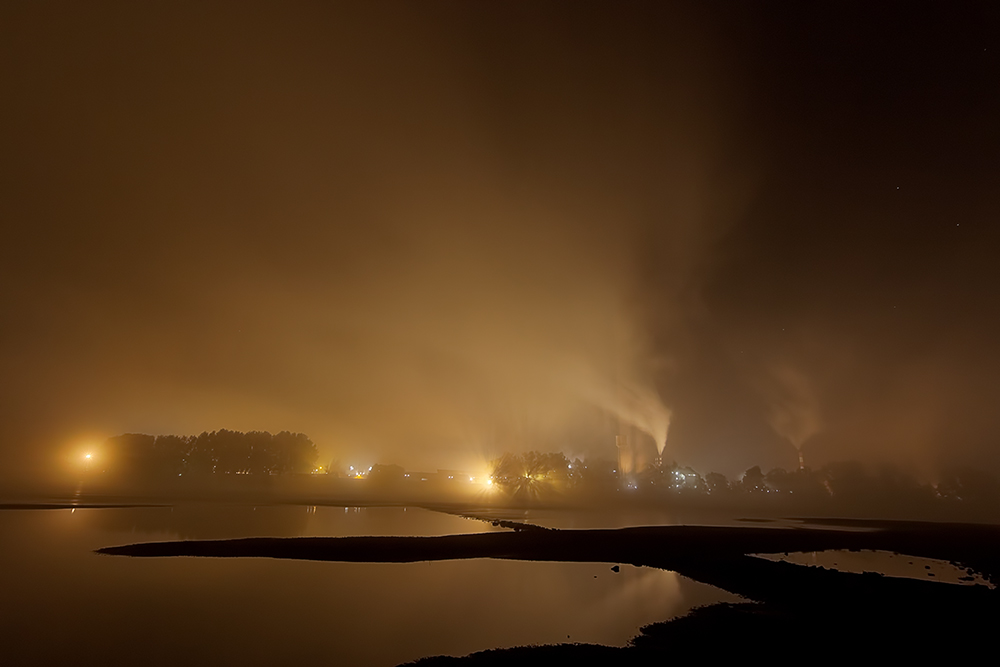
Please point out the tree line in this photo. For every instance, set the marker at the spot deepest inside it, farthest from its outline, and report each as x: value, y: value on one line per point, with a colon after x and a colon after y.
x: 219, y: 452
x: 531, y: 474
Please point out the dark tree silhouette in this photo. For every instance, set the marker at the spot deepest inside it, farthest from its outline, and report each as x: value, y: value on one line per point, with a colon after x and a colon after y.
x: 753, y: 481
x: 221, y: 452
x: 716, y: 482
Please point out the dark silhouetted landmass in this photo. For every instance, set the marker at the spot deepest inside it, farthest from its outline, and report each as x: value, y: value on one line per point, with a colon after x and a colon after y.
x: 799, y: 607
x: 67, y: 506
x: 220, y: 452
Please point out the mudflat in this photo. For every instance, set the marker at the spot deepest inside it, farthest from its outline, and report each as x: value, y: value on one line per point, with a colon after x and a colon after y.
x: 799, y: 606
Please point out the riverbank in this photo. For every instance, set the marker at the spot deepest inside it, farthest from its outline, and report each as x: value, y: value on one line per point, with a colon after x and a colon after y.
x: 795, y: 605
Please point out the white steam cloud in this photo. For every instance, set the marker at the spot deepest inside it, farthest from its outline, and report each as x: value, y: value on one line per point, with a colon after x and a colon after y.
x: 794, y: 410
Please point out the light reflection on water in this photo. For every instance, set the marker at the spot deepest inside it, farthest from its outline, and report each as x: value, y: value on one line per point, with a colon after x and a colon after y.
x: 112, y: 610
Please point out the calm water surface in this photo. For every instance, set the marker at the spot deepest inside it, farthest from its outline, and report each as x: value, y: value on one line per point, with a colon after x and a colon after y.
x: 63, y: 604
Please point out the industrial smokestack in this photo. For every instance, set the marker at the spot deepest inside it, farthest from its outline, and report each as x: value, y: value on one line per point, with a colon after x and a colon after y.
x: 624, y: 455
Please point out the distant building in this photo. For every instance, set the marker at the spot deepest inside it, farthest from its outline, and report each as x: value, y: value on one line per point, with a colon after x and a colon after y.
x: 636, y: 452
x: 625, y: 456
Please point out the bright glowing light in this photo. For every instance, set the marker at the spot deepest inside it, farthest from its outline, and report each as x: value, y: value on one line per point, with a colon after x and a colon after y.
x: 88, y: 456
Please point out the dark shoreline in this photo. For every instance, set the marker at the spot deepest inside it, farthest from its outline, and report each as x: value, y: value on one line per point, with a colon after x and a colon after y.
x: 795, y: 605
x: 967, y: 545
x: 74, y: 506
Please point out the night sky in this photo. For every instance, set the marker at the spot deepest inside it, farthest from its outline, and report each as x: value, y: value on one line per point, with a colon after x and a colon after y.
x: 428, y: 232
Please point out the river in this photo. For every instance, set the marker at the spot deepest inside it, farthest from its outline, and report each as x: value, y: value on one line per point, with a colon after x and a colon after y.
x: 64, y: 604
